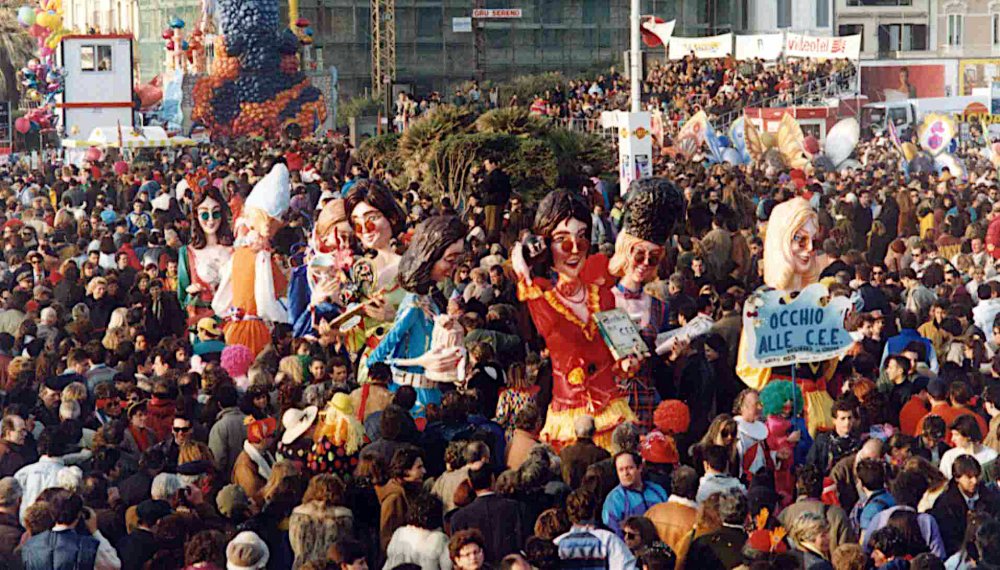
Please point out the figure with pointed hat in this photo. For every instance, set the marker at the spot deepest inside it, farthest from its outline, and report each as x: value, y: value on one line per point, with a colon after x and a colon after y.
x: 653, y: 206
x: 249, y: 293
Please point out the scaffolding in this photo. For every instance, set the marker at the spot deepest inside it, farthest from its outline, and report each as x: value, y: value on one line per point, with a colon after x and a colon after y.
x: 383, y: 14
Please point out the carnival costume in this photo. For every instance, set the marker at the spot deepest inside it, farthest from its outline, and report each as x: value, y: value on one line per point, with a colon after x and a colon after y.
x: 248, y: 297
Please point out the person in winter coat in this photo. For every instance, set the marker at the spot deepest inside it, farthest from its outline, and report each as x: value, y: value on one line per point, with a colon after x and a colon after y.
x: 229, y: 432
x: 407, y: 474
x: 420, y: 541
x: 966, y: 492
x: 253, y: 465
x: 320, y: 521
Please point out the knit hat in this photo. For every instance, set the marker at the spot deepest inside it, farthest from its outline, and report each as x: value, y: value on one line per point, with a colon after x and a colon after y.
x: 658, y: 448
x: 246, y: 552
x: 259, y: 430
x: 231, y: 499
x: 236, y: 360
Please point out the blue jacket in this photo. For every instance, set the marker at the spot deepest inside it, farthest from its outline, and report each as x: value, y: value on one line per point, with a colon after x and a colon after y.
x: 623, y: 503
x: 865, y: 511
x: 897, y: 344
x: 63, y: 550
x: 410, y: 335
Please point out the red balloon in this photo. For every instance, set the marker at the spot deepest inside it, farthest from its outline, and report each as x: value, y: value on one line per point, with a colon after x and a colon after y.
x: 93, y: 154
x: 121, y: 167
x: 22, y: 125
x: 167, y: 34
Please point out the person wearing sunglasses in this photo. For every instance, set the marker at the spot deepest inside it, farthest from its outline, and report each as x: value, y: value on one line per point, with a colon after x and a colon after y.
x: 181, y: 432
x: 200, y: 262
x: 654, y: 206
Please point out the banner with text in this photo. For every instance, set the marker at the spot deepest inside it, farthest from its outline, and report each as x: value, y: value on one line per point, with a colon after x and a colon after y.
x: 702, y: 48
x: 809, y: 328
x: 759, y: 46
x: 818, y: 47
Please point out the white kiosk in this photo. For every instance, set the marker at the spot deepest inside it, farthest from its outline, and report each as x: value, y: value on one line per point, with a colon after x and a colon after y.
x: 98, y: 83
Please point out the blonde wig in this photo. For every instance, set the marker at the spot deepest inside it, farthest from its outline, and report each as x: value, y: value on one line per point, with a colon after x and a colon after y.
x: 786, y: 219
x: 619, y: 262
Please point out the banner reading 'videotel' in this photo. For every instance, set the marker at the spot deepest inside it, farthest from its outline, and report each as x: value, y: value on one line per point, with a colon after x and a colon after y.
x: 809, y: 328
x: 817, y: 47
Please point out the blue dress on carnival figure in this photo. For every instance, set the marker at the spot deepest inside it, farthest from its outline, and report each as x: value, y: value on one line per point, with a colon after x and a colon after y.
x: 410, y: 337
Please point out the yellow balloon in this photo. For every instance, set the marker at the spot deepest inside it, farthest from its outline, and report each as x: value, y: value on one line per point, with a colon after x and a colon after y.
x: 768, y: 140
x: 909, y: 151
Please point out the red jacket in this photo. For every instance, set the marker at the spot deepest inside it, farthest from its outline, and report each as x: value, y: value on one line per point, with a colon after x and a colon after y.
x: 993, y: 238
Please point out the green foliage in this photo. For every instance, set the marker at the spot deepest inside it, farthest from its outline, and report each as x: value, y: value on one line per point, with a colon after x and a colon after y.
x: 358, y: 107
x: 418, y: 142
x: 532, y: 168
x: 512, y: 120
x: 381, y: 153
x: 579, y: 154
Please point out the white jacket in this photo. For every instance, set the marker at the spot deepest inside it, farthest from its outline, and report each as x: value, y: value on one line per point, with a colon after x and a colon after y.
x: 414, y: 545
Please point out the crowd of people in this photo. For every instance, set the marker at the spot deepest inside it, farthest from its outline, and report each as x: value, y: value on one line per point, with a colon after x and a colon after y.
x: 676, y: 88
x: 258, y: 356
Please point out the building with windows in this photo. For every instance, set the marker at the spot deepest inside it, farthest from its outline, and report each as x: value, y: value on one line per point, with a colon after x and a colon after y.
x: 888, y: 27
x: 969, y: 28
x: 105, y: 16
x: 800, y: 16
x: 564, y: 35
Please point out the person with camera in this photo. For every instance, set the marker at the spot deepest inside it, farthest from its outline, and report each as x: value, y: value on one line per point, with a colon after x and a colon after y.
x: 74, y: 541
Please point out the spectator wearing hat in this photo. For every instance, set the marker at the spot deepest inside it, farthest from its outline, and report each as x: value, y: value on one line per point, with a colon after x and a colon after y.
x: 233, y: 505
x: 633, y: 496
x: 138, y: 437
x: 253, y: 465
x: 247, y: 552
x: 10, y: 526
x: 296, y: 441
x: 229, y: 431
x: 139, y: 546
x: 208, y: 346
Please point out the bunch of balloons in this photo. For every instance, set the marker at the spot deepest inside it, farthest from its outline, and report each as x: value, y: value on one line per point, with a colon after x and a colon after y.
x: 40, y: 78
x: 256, y: 86
x: 45, y: 24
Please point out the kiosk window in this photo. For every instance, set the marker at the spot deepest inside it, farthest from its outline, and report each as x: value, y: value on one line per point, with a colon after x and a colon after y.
x: 95, y: 58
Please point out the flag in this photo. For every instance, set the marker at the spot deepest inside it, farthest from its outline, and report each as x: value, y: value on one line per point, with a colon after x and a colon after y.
x: 712, y: 140
x: 121, y: 143
x: 894, y: 135
x: 692, y: 134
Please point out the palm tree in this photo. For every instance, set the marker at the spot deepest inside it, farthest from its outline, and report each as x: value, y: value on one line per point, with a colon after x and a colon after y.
x: 16, y: 48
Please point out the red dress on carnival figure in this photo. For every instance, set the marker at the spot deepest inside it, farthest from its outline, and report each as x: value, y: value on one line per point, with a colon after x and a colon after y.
x: 583, y: 369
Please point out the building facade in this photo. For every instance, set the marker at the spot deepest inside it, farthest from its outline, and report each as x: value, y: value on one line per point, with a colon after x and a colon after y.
x: 105, y: 16
x: 550, y: 35
x: 801, y: 16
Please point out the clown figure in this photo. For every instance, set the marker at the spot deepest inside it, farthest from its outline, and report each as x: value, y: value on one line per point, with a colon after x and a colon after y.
x: 248, y: 295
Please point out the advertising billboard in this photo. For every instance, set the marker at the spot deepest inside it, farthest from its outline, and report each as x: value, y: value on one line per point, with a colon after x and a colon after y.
x: 894, y: 82
x: 976, y: 74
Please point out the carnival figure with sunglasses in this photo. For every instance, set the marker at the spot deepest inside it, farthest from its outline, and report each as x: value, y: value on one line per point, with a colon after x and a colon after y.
x: 378, y: 221
x: 200, y: 262
x: 252, y: 284
x: 652, y: 206
x: 791, y: 264
x: 567, y: 288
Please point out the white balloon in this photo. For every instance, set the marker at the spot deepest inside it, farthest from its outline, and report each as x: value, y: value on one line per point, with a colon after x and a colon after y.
x: 945, y: 160
x: 842, y: 139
